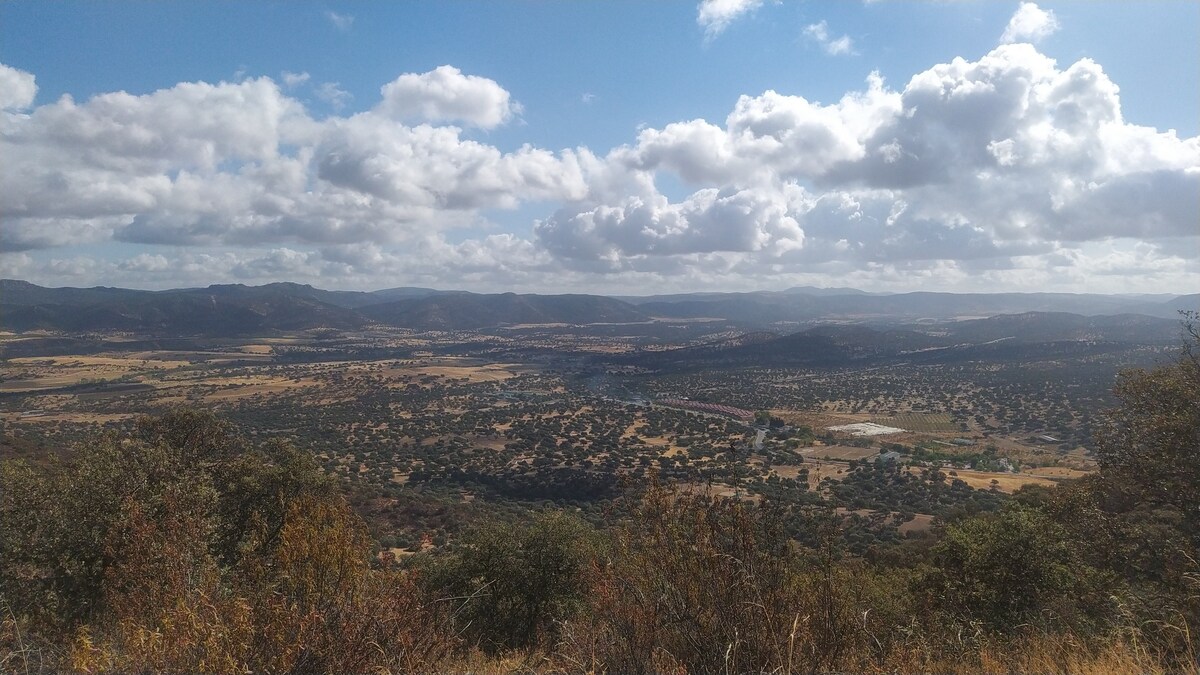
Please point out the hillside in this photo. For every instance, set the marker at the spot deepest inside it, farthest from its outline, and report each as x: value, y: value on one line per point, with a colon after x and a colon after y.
x: 800, y: 305
x: 217, y: 310
x: 463, y: 311
x: 236, y: 309
x: 1032, y: 335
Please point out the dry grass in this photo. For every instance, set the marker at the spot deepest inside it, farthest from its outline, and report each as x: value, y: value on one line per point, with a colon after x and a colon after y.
x: 920, y: 523
x: 239, y: 391
x: 72, y: 418
x: 31, y: 374
x: 1057, y: 472
x: 1005, y: 482
x: 255, y: 349
x: 839, y: 452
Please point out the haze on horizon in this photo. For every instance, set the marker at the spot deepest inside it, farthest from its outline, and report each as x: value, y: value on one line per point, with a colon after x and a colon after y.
x: 645, y: 148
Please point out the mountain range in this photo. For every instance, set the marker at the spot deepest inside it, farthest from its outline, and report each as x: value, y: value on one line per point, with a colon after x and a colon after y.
x: 236, y: 309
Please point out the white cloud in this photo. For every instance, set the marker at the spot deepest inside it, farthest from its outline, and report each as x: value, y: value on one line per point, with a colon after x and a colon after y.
x: 433, y: 168
x: 767, y: 136
x: 17, y: 88
x: 714, y: 16
x: 971, y: 165
x: 333, y: 94
x: 342, y: 22
x: 145, y: 262
x: 1030, y: 23
x: 445, y: 94
x: 819, y: 33
x: 708, y: 221
x: 1004, y: 171
x: 243, y: 163
x: 292, y: 80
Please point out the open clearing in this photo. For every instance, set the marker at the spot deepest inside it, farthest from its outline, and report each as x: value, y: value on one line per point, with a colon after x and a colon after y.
x: 1005, y: 482
x: 839, y: 452
x: 30, y: 374
x: 1057, y: 472
x: 867, y: 429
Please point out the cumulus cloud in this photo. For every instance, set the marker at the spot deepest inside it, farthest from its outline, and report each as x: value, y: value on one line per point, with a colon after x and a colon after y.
x: 767, y: 136
x: 972, y: 164
x: 243, y: 163
x: 445, y: 94
x: 17, y: 88
x: 714, y: 16
x: 819, y: 33
x: 1006, y: 170
x: 709, y: 220
x: 1030, y: 23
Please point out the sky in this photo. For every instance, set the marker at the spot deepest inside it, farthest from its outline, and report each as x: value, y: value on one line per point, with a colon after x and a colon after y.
x: 604, y: 147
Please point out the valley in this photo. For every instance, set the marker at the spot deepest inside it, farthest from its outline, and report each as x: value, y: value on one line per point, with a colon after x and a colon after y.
x: 579, y: 414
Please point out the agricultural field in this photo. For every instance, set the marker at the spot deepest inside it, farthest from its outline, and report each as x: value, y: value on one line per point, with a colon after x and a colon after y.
x: 927, y: 423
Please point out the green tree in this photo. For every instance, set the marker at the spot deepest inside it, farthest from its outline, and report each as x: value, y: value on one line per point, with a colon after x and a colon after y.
x: 513, y: 584
x: 1150, y: 443
x: 1004, y: 568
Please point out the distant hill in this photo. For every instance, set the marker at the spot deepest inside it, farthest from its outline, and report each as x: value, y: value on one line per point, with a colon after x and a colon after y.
x: 217, y: 310
x: 1057, y: 326
x: 806, y: 305
x: 1183, y: 303
x: 465, y: 311
x: 1030, y: 335
x: 815, y: 290
x: 236, y: 309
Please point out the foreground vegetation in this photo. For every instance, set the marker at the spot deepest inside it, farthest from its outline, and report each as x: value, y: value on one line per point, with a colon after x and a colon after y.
x: 184, y: 546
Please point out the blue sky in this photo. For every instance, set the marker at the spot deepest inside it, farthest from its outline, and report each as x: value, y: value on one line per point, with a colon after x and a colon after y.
x: 601, y: 146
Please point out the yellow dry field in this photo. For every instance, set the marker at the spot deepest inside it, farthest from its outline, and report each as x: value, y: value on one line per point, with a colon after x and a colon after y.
x: 632, y: 429
x: 789, y: 471
x: 818, y: 472
x: 97, y: 361
x: 249, y: 387
x: 448, y: 368
x: 615, y: 348
x: 36, y: 373
x: 843, y: 453
x: 72, y: 418
x: 494, y: 372
x: 1057, y: 472
x: 919, y: 523
x: 255, y: 349
x: 1006, y: 482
